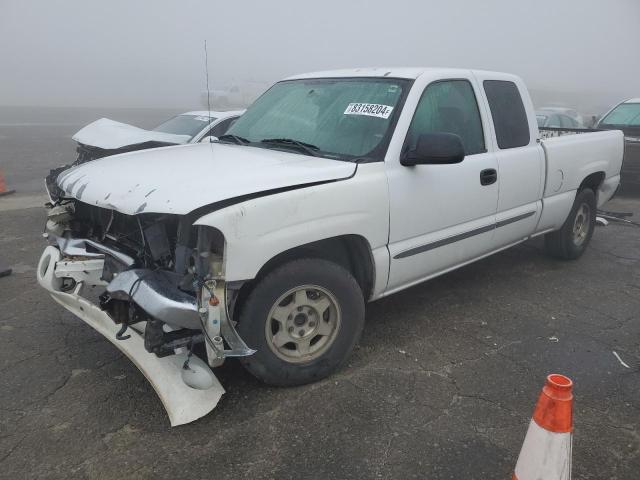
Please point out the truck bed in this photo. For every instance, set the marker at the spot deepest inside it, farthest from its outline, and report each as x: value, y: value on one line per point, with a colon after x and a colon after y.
x: 571, y: 158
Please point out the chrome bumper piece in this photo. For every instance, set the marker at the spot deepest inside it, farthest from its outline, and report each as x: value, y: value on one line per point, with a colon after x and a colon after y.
x: 158, y: 294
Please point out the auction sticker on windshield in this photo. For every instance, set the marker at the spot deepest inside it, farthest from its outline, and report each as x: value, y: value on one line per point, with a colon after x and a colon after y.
x: 369, y: 109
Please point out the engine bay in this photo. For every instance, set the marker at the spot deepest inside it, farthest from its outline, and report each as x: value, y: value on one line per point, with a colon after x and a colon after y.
x: 153, y: 269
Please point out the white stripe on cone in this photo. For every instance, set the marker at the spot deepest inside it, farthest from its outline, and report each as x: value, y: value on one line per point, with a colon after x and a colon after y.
x: 545, y: 455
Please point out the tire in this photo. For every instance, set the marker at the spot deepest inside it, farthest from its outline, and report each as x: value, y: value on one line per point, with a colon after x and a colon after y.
x: 570, y: 242
x: 316, y: 304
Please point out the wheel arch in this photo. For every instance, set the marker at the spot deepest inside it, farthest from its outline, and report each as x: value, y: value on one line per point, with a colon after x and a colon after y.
x: 592, y: 181
x: 351, y: 251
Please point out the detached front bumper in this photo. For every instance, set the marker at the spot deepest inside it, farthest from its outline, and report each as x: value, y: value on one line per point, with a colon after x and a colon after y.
x: 187, y: 393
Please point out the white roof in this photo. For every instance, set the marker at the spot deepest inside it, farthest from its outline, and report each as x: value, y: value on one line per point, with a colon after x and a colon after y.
x: 393, y: 72
x: 215, y: 113
x: 633, y: 100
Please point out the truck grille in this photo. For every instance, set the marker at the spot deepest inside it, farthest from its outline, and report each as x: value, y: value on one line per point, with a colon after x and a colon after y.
x: 149, y: 238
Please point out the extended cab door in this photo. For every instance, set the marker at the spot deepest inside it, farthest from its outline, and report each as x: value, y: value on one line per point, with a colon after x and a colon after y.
x: 441, y: 215
x: 520, y: 157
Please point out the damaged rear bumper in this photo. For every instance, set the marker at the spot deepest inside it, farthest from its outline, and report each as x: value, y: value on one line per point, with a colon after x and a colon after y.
x: 188, y: 390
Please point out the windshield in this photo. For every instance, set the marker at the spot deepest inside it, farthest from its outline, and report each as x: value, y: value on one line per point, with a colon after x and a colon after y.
x: 624, y: 114
x: 346, y: 119
x: 541, y: 120
x: 185, y: 125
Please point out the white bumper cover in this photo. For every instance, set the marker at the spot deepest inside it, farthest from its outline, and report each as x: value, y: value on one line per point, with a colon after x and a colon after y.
x: 183, y: 403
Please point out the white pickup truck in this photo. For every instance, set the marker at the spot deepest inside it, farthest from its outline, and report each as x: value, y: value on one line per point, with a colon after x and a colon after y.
x: 332, y: 190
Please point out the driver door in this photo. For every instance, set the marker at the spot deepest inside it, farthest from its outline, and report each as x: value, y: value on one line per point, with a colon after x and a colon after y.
x: 443, y: 215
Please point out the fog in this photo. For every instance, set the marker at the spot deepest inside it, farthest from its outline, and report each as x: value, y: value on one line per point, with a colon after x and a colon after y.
x: 150, y: 54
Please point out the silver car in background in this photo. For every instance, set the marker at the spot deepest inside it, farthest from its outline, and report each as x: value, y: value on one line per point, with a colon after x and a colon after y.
x: 559, y: 117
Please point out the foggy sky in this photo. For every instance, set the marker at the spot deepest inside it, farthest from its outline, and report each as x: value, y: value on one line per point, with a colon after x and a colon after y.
x: 150, y: 53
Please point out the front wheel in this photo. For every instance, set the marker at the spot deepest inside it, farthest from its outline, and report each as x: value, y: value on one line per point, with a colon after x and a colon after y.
x: 572, y: 239
x: 303, y: 319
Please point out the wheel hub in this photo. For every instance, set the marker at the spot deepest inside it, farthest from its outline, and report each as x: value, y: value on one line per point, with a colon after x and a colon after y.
x: 300, y: 319
x: 303, y: 323
x: 581, y: 224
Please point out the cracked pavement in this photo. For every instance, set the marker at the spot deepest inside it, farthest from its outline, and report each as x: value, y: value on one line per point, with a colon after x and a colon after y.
x: 442, y: 385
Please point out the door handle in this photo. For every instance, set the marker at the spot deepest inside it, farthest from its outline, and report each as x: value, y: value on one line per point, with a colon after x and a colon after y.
x: 488, y: 176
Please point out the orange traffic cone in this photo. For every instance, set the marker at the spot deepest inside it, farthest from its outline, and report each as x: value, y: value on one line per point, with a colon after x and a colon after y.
x: 3, y: 186
x: 546, y: 451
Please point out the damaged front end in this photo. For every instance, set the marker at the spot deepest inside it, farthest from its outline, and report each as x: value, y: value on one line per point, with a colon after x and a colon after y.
x: 88, y: 153
x: 154, y: 285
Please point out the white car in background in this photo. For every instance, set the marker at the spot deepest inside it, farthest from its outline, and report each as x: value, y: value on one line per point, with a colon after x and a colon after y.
x: 106, y: 137
x: 200, y: 124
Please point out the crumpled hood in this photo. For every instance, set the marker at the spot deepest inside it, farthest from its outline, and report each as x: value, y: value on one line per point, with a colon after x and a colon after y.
x: 181, y: 179
x: 110, y: 135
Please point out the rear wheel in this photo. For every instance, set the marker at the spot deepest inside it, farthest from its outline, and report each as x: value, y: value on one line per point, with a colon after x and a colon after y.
x: 303, y: 319
x: 572, y: 239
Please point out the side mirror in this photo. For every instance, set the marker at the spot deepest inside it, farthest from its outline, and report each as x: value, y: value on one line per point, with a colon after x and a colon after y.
x: 209, y: 139
x: 435, y: 149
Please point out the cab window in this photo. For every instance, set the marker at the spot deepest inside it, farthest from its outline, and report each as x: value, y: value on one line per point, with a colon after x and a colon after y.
x: 509, y: 115
x: 449, y: 106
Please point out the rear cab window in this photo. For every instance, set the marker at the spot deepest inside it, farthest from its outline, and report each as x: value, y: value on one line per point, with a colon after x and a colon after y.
x: 509, y: 115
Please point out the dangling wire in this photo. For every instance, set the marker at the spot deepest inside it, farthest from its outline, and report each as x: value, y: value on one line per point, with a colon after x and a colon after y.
x: 185, y: 365
x: 136, y: 283
x: 120, y: 335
